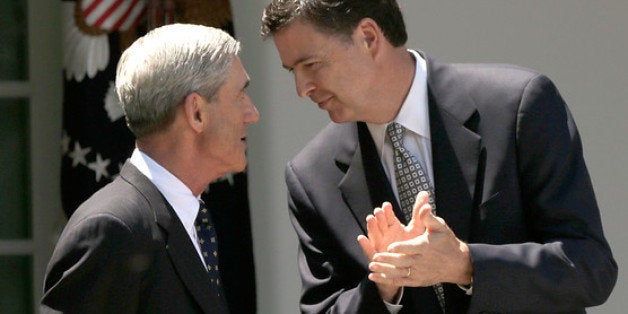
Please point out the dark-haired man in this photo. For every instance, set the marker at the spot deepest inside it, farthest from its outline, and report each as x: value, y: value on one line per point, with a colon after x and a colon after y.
x: 516, y: 225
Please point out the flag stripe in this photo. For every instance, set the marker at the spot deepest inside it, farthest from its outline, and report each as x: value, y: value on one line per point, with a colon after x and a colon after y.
x: 116, y: 15
x: 136, y: 15
x: 113, y: 15
x: 111, y: 10
x: 130, y: 15
x: 98, y: 11
x: 91, y: 6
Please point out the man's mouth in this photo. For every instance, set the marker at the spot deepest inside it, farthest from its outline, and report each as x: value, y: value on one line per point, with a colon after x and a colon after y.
x: 323, y: 103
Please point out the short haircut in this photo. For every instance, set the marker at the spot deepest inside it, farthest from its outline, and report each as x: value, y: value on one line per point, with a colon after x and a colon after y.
x: 336, y: 17
x: 160, y: 69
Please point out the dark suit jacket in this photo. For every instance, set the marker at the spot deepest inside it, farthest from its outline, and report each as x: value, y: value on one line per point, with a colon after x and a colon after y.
x: 510, y: 180
x: 125, y: 251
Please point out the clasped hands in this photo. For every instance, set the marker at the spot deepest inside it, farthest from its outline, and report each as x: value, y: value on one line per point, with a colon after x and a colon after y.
x: 423, y: 253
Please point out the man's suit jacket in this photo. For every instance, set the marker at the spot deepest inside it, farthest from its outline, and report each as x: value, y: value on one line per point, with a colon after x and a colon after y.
x: 125, y: 251
x: 510, y: 180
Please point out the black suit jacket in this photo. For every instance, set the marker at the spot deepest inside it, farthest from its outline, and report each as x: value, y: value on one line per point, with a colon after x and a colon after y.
x: 125, y: 251
x: 510, y: 180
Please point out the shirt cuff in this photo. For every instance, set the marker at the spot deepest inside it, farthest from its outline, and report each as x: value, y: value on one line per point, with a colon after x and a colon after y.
x: 468, y: 289
x: 395, y: 307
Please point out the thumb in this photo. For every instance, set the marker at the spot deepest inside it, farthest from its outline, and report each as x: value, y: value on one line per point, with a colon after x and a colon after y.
x: 422, y: 199
x: 432, y: 223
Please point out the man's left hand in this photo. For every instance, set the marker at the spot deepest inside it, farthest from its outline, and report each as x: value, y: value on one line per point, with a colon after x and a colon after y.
x: 433, y: 257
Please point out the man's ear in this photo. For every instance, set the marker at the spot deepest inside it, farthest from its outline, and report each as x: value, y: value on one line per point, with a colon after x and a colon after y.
x: 370, y: 35
x: 192, y: 105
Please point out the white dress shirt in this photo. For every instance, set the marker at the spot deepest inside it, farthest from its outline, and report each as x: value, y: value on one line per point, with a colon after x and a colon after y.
x: 414, y: 117
x: 180, y: 197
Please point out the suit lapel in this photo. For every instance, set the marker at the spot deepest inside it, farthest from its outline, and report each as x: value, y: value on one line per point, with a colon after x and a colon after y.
x: 455, y: 155
x: 379, y: 187
x: 363, y: 190
x: 192, y: 272
x: 455, y: 146
x: 178, y: 245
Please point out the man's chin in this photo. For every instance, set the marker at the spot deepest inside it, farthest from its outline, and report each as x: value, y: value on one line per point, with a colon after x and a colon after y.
x: 337, y: 118
x: 240, y: 166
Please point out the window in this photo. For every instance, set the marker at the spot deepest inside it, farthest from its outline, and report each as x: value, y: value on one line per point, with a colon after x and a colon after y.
x: 30, y: 154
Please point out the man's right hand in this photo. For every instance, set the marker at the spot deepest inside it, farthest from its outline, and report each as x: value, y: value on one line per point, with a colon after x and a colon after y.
x: 383, y: 229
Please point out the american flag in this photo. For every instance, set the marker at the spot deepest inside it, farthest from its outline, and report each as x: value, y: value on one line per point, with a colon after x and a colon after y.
x: 113, y: 15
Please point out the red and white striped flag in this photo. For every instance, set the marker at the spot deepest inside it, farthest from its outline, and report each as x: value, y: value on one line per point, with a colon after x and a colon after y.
x: 112, y: 15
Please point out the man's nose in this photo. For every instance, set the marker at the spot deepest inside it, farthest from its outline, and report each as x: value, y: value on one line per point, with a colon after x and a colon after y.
x: 251, y: 114
x: 303, y: 84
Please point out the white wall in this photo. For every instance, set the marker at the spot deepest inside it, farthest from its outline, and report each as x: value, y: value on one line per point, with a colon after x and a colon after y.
x: 582, y: 45
x: 286, y: 124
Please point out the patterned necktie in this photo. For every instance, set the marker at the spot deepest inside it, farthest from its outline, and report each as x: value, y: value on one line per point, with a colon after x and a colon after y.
x: 410, y: 176
x: 411, y: 179
x: 208, y: 242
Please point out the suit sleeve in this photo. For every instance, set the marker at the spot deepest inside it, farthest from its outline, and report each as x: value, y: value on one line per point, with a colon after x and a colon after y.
x: 98, y: 267
x: 328, y: 286
x: 568, y: 264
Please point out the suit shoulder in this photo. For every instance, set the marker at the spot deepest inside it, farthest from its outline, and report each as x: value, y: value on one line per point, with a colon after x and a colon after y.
x: 117, y: 200
x: 496, y: 73
x: 333, y: 139
x: 492, y: 84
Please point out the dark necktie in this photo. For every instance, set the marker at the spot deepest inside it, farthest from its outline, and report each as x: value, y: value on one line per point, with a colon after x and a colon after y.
x: 208, y: 242
x: 411, y: 179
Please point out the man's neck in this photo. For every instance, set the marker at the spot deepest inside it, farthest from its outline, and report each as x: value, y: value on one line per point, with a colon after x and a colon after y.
x: 396, y: 82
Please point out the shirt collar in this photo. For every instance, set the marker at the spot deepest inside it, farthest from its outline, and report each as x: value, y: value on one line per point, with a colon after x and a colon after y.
x: 414, y: 113
x: 180, y: 197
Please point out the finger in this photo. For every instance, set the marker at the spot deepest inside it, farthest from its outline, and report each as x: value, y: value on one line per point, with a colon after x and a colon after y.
x: 395, y: 260
x: 413, y: 246
x: 388, y: 271
x: 399, y: 282
x: 381, y: 220
x: 391, y: 219
x: 372, y: 229
x: 380, y: 279
x: 367, y: 247
x: 432, y: 223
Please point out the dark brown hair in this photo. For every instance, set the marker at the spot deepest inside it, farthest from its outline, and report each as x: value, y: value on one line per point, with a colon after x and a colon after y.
x: 336, y: 17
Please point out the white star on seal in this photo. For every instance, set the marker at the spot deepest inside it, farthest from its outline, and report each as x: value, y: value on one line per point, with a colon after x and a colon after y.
x: 78, y: 154
x: 100, y: 167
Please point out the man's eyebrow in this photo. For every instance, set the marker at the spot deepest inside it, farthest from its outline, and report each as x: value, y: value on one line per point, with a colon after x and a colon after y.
x: 300, y: 60
x: 246, y: 84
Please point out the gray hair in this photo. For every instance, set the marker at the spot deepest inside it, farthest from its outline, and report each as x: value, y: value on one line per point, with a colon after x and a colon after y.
x: 163, y: 67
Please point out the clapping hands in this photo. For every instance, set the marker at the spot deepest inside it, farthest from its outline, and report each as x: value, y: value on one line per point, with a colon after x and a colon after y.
x: 422, y: 253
